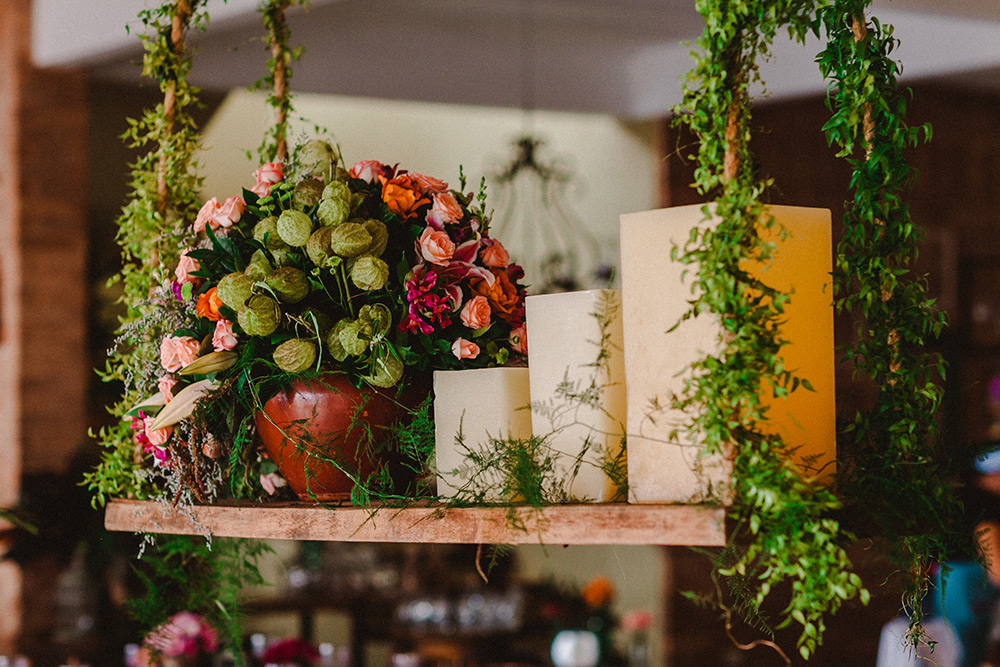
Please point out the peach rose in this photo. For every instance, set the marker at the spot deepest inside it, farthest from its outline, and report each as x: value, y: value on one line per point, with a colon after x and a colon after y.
x: 230, y: 212
x: 518, y: 340
x: 205, y: 215
x: 166, y: 386
x: 502, y: 294
x: 157, y: 437
x: 401, y: 197
x: 435, y: 246
x: 268, y: 174
x: 464, y: 349
x: 366, y: 170
x: 493, y: 254
x: 428, y: 183
x: 445, y: 209
x: 208, y: 305
x: 185, y: 267
x: 176, y: 352
x: 476, y: 313
x: 223, y: 338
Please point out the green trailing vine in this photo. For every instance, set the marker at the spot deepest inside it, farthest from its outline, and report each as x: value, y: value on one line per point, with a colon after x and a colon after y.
x: 785, y: 530
x: 893, y: 473
x: 279, y: 76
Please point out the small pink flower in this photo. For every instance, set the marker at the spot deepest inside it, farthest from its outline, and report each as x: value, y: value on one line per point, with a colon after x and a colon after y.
x: 464, y: 349
x: 268, y: 174
x: 476, y: 312
x: 223, y: 338
x: 185, y: 267
x: 637, y: 620
x: 435, y: 246
x: 271, y: 482
x: 366, y: 170
x: 429, y: 183
x: 157, y: 437
x: 230, y: 212
x: 176, y: 352
x: 493, y: 254
x: 519, y: 340
x: 444, y: 210
x: 166, y: 386
x: 205, y: 215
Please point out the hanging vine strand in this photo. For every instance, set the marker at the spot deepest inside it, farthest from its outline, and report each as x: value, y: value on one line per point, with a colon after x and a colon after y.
x: 279, y: 66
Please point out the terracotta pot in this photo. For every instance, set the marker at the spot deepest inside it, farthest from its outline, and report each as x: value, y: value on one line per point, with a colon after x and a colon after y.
x: 312, y: 424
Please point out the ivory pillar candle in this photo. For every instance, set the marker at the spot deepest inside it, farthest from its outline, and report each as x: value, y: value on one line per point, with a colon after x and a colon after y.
x: 575, y: 347
x: 655, y: 295
x: 471, y: 407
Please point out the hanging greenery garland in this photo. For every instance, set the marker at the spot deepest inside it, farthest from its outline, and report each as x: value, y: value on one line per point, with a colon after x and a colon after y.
x: 279, y: 67
x: 894, y: 476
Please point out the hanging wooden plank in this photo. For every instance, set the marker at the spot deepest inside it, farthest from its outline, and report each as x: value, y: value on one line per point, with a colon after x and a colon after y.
x: 612, y: 523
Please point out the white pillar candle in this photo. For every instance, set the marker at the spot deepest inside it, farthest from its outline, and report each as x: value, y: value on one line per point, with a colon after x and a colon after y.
x: 656, y: 292
x: 577, y: 372
x: 471, y: 407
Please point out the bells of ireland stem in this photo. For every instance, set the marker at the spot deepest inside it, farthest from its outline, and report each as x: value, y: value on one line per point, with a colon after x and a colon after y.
x: 295, y: 355
x: 290, y: 284
x: 260, y: 317
x: 294, y: 228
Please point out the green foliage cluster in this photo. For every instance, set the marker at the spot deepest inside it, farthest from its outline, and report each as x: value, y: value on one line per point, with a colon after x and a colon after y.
x: 783, y: 514
x: 893, y: 474
x: 152, y: 228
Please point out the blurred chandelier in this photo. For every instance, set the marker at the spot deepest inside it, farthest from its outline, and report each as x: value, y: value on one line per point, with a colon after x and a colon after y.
x: 557, y: 251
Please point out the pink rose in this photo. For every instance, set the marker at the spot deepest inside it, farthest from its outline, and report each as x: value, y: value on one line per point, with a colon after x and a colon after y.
x: 444, y: 210
x: 185, y: 267
x: 229, y: 212
x: 176, y: 352
x: 157, y: 437
x: 493, y: 254
x: 268, y: 174
x: 519, y: 340
x: 366, y: 170
x: 435, y: 246
x: 476, y: 312
x: 166, y: 386
x: 464, y: 349
x: 206, y: 214
x: 429, y: 183
x: 223, y: 338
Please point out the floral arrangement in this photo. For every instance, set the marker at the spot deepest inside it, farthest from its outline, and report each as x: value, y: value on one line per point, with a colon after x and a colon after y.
x: 184, y: 635
x: 364, y: 271
x: 292, y: 651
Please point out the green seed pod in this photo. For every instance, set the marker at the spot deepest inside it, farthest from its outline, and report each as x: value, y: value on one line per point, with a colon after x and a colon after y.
x: 350, y: 338
x: 375, y: 319
x: 234, y: 289
x: 316, y: 157
x: 290, y: 284
x: 282, y: 256
x: 294, y: 228
x: 332, y: 212
x: 260, y: 317
x: 258, y: 267
x: 324, y: 321
x: 268, y: 229
x: 333, y: 344
x: 318, y: 246
x: 295, y: 355
x: 307, y: 193
x: 386, y: 371
x: 337, y: 190
x: 350, y: 240
x: 369, y: 273
x: 380, y: 237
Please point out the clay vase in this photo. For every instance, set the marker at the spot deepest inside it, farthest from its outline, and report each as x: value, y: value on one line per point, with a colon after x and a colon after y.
x: 311, y: 424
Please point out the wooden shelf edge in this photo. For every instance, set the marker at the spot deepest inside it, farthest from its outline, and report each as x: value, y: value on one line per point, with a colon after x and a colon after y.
x: 604, y: 523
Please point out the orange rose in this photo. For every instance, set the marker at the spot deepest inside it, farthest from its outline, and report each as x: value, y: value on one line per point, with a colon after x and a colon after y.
x: 208, y: 305
x: 502, y: 294
x: 402, y: 196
